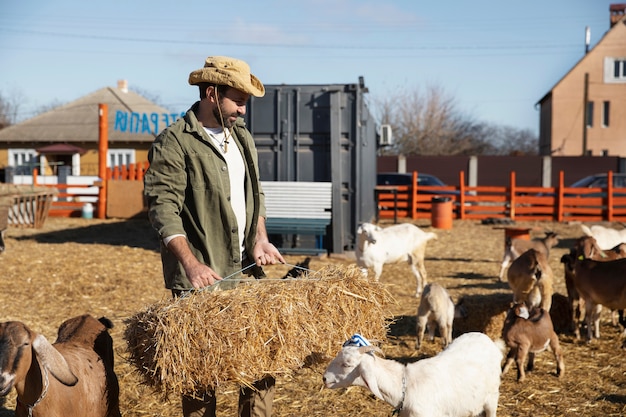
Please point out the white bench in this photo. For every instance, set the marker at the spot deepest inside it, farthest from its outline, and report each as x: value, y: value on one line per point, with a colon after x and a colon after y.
x: 298, y: 208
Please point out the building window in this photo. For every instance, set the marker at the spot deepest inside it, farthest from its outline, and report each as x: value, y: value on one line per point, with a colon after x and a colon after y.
x: 619, y: 68
x: 614, y: 70
x: 120, y: 157
x: 606, y: 106
x: 590, y: 114
x: 23, y: 160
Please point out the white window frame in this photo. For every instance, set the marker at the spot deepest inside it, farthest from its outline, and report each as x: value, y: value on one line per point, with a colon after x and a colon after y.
x: 22, y: 156
x: 609, y: 70
x: 120, y: 157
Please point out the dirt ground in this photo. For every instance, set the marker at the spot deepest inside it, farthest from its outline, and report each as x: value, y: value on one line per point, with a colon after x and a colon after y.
x: 112, y: 268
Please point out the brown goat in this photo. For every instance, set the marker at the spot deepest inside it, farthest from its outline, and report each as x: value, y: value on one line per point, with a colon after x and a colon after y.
x: 513, y: 248
x: 600, y: 283
x: 530, y: 278
x: 527, y: 333
x: 72, y: 378
x: 585, y: 247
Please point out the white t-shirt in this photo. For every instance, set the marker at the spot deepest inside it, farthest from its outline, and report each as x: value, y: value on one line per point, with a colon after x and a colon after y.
x: 237, y: 174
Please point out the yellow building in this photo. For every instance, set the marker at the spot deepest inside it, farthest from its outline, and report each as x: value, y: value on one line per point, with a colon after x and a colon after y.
x: 69, y: 135
x: 585, y: 112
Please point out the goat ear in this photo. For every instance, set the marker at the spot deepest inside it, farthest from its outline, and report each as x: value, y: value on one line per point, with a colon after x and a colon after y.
x: 53, y: 361
x: 369, y: 378
x: 371, y: 349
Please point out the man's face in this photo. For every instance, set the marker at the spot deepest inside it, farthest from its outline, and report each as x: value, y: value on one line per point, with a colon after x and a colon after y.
x: 232, y: 104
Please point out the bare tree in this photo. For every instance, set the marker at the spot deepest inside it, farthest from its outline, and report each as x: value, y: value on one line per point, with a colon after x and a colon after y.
x: 507, y: 140
x: 428, y: 123
x: 9, y: 109
x: 431, y: 123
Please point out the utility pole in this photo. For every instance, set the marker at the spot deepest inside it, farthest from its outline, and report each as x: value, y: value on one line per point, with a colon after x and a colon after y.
x: 585, y: 112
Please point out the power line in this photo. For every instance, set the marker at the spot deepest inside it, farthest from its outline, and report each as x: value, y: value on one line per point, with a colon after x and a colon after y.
x: 507, y: 46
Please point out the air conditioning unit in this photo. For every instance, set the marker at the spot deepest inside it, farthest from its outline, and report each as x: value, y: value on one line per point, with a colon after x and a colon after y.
x: 386, y: 136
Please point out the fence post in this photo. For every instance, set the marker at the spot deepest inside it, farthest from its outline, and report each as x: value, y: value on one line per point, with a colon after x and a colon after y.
x: 103, y: 150
x: 414, y: 196
x: 63, y: 174
x: 559, y: 197
x: 609, y: 196
x: 462, y: 195
x: 512, y: 197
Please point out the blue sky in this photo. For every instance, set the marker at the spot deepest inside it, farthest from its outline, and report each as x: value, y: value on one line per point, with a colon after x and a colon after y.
x: 495, y: 58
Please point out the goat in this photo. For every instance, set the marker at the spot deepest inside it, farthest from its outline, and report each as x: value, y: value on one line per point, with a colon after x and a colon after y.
x: 74, y: 377
x: 606, y: 237
x: 437, y: 309
x: 584, y: 247
x: 600, y: 283
x: 299, y: 269
x: 401, y: 242
x: 576, y: 302
x: 462, y: 380
x: 530, y: 278
x: 527, y: 333
x: 513, y: 248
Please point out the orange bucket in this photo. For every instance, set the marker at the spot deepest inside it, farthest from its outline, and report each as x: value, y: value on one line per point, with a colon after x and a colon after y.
x: 441, y: 213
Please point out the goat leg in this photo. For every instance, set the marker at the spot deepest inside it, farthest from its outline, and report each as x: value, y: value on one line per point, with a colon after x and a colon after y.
x: 522, y: 354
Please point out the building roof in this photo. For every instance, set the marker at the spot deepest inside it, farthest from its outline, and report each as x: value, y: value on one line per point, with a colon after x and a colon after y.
x: 61, y: 148
x: 131, y: 119
x: 549, y: 93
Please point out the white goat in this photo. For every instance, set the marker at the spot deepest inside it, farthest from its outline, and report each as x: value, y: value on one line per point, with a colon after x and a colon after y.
x: 401, y: 242
x: 462, y: 380
x: 606, y: 237
x: 436, y: 309
x: 72, y: 378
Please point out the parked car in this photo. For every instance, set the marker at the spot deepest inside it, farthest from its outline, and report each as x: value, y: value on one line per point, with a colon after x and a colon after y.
x: 396, y: 178
x: 600, y: 180
x: 594, y: 181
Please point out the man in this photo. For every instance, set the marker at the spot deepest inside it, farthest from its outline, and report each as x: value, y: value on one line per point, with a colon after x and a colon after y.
x: 206, y: 202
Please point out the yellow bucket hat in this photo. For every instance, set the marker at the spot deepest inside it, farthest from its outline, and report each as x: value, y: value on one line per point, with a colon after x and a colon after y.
x: 223, y: 70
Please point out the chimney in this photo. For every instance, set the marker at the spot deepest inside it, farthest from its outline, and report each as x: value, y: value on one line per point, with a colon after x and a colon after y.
x: 122, y: 85
x: 618, y: 10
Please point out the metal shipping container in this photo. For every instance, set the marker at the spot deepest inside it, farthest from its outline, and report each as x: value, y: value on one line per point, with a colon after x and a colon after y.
x: 320, y: 133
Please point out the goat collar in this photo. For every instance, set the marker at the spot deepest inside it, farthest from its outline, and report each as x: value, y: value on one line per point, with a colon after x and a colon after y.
x: 46, y: 384
x: 398, y: 409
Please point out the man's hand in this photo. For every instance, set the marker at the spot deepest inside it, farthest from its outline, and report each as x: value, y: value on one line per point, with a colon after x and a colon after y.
x: 199, y: 274
x: 265, y: 254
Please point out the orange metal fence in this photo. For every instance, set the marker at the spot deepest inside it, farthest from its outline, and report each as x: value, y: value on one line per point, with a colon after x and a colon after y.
x: 558, y: 203
x: 521, y: 203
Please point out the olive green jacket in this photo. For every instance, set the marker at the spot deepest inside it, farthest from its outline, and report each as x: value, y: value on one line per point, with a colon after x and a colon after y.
x: 187, y: 189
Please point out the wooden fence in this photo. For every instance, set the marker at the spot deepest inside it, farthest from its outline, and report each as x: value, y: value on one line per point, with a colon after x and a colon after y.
x: 24, y: 205
x: 513, y: 202
x: 70, y: 198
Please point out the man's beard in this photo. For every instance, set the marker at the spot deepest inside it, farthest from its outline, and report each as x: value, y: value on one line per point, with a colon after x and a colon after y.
x: 223, y: 119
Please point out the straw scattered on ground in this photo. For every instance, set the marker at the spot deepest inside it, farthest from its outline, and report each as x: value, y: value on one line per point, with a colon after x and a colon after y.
x: 112, y: 268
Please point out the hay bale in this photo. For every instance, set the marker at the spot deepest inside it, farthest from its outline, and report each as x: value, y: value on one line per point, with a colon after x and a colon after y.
x: 485, y: 313
x: 266, y: 327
